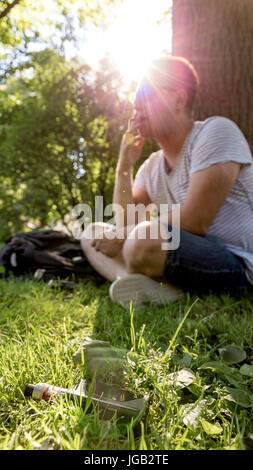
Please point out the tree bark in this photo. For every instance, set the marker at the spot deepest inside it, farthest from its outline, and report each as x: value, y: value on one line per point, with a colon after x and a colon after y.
x: 216, y: 36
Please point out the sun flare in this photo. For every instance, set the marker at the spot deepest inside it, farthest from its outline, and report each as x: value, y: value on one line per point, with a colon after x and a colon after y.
x: 135, y: 37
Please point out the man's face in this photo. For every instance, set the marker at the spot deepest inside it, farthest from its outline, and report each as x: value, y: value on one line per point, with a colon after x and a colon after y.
x: 155, y: 111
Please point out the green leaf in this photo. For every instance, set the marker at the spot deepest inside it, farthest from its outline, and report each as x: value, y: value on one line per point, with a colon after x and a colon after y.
x: 191, y: 413
x: 216, y: 365
x: 247, y: 369
x: 232, y: 354
x: 211, y: 429
x: 197, y: 389
x: 231, y: 374
x: 184, y: 361
x: 181, y: 379
x: 241, y: 397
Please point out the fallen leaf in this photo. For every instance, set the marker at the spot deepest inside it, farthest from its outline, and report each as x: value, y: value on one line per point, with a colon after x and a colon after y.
x: 232, y: 354
x: 232, y: 375
x: 191, y: 413
x: 211, y: 429
x: 239, y: 396
x: 181, y: 379
x: 247, y: 369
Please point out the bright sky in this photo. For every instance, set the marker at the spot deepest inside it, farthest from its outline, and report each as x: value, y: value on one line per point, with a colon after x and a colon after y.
x: 132, y: 40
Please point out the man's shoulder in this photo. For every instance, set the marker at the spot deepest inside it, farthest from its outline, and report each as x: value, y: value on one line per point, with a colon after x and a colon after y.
x: 217, y: 129
x: 155, y: 158
x: 153, y: 161
x: 216, y: 122
x: 218, y: 140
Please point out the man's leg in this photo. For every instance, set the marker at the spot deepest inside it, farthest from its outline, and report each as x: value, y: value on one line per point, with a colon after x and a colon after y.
x: 199, y: 264
x: 109, y: 268
x: 140, y: 255
x: 145, y: 260
x: 142, y: 251
x: 204, y: 264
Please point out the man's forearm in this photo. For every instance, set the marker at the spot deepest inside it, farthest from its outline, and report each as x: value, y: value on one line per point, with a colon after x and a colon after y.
x: 123, y: 189
x: 123, y: 193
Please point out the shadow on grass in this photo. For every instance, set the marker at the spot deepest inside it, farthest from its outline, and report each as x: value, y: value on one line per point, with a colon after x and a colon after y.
x: 212, y: 316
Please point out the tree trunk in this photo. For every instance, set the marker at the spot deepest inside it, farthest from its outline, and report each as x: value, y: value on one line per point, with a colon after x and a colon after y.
x: 216, y: 36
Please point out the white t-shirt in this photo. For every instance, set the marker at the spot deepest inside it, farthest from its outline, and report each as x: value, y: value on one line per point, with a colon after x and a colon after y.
x: 215, y: 140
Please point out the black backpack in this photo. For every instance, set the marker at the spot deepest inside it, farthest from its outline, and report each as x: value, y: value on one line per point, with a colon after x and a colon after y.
x: 52, y: 254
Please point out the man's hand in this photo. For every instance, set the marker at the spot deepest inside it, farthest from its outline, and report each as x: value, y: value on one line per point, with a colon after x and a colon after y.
x: 130, y: 152
x: 108, y: 247
x: 131, y: 147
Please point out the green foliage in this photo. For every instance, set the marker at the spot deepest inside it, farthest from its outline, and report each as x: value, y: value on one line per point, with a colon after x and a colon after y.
x: 60, y: 122
x: 31, y: 26
x: 196, y: 409
x: 60, y: 129
x: 24, y: 21
x: 232, y: 354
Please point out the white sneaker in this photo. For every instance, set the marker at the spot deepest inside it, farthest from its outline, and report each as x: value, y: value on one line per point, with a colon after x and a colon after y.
x: 140, y: 289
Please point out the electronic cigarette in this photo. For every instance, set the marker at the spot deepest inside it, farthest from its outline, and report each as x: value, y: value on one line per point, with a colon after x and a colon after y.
x: 110, y: 400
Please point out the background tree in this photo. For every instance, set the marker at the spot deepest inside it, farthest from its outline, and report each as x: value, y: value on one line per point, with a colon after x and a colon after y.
x: 26, y: 26
x: 60, y: 129
x: 60, y: 121
x: 54, y: 147
x: 216, y: 36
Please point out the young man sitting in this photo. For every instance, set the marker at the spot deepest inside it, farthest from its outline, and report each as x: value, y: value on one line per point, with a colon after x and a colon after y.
x: 206, y: 168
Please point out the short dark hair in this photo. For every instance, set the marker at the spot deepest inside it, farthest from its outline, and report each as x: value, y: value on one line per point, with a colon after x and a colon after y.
x: 174, y: 72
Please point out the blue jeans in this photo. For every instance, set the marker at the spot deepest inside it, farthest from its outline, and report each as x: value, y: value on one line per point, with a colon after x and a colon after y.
x: 204, y: 264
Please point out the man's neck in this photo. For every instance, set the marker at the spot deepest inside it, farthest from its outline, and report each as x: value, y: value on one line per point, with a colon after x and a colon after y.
x: 173, y: 143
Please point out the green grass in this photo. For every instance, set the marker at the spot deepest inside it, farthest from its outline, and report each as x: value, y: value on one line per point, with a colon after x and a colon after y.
x: 41, y: 329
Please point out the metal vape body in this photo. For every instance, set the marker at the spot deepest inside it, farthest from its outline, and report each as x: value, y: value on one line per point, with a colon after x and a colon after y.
x: 121, y: 403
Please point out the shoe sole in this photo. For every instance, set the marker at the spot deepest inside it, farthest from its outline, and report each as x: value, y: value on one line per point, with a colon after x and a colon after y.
x: 140, y: 289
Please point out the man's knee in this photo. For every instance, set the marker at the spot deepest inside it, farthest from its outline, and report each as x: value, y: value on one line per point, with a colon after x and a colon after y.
x: 132, y: 254
x: 142, y: 251
x: 139, y: 257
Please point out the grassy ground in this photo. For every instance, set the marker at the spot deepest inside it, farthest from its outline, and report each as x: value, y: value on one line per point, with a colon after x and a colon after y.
x: 41, y: 328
